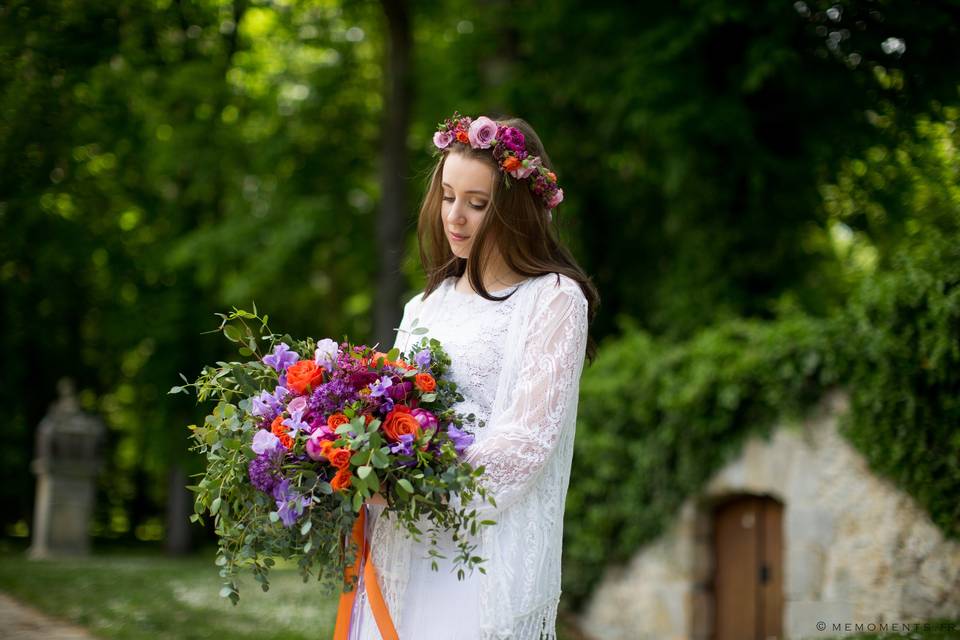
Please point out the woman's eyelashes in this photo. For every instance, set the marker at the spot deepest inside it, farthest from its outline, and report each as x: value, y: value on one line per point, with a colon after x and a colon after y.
x: 478, y: 207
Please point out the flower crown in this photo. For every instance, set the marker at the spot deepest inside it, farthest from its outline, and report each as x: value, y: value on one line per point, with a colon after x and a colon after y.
x: 509, y: 150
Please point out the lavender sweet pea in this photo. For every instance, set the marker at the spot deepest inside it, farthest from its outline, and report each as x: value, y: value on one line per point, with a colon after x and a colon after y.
x: 290, y: 504
x: 461, y: 439
x: 326, y: 353
x: 281, y: 358
x: 264, y: 441
x: 422, y: 359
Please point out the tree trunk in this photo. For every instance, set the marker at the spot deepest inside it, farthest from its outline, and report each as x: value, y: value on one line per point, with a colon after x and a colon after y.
x: 179, y: 507
x: 394, y: 168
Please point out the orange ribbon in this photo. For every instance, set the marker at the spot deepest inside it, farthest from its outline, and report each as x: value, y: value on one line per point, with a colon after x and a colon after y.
x: 377, y: 605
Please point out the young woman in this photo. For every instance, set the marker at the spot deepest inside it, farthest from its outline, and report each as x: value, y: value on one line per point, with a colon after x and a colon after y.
x: 512, y: 308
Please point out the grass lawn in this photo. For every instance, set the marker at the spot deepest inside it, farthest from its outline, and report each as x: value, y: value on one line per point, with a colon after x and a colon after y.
x: 134, y: 594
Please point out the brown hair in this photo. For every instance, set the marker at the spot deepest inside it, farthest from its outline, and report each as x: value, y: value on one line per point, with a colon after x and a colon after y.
x: 515, y: 222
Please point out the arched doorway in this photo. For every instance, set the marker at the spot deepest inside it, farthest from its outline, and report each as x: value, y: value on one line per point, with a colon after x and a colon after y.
x: 748, y: 569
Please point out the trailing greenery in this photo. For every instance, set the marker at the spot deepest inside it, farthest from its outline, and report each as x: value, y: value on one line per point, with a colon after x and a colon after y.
x: 657, y: 419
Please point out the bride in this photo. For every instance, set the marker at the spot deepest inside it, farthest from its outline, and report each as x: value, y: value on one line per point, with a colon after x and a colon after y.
x: 511, y: 307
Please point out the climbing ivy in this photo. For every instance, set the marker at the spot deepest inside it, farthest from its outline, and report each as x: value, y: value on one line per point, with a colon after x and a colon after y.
x: 657, y: 420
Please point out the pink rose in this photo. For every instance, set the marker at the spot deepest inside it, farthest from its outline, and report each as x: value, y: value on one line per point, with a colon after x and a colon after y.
x: 555, y: 199
x: 442, y: 139
x: 529, y: 166
x: 427, y: 420
x: 482, y: 132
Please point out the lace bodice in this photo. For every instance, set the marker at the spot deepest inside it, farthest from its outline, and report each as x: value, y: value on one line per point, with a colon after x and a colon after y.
x: 517, y: 363
x: 473, y: 331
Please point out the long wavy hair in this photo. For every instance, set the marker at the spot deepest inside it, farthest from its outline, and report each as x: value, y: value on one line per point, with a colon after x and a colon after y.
x: 515, y: 224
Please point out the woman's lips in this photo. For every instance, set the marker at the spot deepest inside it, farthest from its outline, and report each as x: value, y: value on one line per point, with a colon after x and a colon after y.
x: 458, y: 238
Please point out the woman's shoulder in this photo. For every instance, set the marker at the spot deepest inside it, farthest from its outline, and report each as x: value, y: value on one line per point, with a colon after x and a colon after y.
x: 553, y: 284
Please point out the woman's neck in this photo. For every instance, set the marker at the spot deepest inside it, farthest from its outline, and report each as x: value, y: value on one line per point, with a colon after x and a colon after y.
x: 494, y: 278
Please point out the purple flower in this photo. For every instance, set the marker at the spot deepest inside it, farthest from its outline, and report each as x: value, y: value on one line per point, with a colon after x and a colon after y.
x: 264, y: 441
x: 290, y: 504
x: 380, y: 387
x: 442, y: 139
x: 422, y: 359
x: 281, y: 358
x: 461, y: 439
x: 398, y: 392
x: 482, y: 132
x: 405, y: 446
x: 264, y: 405
x: 265, y: 468
x: 512, y: 138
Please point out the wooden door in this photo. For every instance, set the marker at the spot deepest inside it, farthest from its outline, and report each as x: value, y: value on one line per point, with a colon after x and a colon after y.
x: 748, y: 583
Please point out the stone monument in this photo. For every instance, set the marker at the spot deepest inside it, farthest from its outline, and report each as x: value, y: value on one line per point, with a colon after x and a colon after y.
x: 68, y: 457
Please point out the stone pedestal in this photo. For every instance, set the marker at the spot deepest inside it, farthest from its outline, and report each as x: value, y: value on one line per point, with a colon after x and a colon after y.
x: 68, y: 458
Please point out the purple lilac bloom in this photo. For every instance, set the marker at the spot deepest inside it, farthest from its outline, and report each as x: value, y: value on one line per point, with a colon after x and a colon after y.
x: 461, y: 439
x: 281, y: 358
x: 422, y: 359
x: 263, y: 405
x: 290, y: 504
x: 264, y: 469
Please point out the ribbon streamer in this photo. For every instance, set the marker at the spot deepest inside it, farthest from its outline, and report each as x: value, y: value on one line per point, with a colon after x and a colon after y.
x: 377, y: 604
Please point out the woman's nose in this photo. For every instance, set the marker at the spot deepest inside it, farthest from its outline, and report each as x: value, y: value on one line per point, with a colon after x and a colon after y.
x: 455, y: 213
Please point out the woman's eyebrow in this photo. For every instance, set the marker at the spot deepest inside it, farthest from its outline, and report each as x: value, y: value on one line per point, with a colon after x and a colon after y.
x: 483, y: 193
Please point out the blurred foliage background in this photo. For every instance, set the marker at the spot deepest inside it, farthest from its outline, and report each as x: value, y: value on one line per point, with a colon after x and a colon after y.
x: 747, y: 183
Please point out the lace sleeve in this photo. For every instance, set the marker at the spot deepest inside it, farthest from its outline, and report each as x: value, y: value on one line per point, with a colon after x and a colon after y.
x: 526, y: 433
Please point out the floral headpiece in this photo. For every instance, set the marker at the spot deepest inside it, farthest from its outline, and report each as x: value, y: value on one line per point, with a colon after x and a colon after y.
x: 509, y: 150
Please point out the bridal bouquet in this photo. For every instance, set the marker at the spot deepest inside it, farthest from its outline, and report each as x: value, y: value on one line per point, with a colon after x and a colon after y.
x: 304, y: 431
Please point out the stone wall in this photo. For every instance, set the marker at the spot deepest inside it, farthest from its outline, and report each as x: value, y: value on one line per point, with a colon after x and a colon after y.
x: 856, y: 549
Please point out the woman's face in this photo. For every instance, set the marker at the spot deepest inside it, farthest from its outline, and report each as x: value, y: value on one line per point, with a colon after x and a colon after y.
x: 467, y: 187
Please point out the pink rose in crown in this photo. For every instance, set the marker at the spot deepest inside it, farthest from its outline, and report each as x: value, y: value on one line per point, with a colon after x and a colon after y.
x: 482, y: 132
x: 555, y: 199
x: 442, y: 139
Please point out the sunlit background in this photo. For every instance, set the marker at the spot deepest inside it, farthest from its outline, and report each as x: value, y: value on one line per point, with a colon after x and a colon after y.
x: 765, y: 194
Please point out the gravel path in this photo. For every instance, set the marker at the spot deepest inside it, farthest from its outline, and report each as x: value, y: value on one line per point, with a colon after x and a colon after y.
x: 19, y: 621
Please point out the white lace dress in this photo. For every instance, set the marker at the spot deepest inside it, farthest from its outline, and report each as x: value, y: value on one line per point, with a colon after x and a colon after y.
x: 518, y: 364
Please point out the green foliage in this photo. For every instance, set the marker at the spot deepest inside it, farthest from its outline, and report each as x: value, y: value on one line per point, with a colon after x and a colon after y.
x: 658, y: 419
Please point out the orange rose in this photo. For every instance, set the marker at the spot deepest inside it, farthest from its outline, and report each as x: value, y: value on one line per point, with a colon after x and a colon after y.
x: 511, y: 163
x: 400, y: 422
x: 425, y: 382
x: 462, y: 136
x: 341, y: 480
x: 340, y: 457
x: 552, y: 176
x: 326, y: 446
x: 280, y: 431
x: 335, y: 420
x: 303, y: 375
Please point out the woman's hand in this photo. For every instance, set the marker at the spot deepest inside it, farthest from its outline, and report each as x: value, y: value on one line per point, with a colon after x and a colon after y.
x: 376, y: 499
